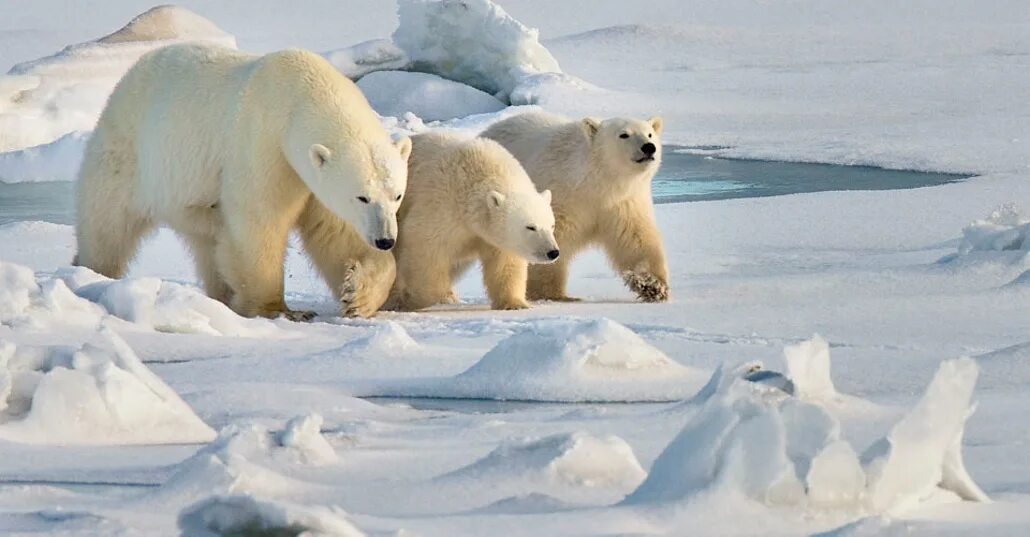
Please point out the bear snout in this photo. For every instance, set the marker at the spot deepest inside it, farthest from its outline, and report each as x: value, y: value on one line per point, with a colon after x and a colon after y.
x: 384, y: 244
x: 648, y: 149
x: 553, y: 254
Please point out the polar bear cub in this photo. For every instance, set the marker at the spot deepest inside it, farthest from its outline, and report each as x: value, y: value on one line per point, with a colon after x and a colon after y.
x: 232, y: 151
x: 600, y: 173
x: 467, y: 200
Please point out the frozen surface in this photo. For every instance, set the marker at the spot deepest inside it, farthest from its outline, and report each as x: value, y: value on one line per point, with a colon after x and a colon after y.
x: 896, y: 283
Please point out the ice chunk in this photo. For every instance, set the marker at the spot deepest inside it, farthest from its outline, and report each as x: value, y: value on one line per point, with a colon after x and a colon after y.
x: 17, y: 287
x: 100, y: 394
x: 923, y: 450
x: 471, y: 41
x: 387, y: 339
x: 430, y: 97
x: 56, y: 161
x: 1005, y: 229
x: 243, y: 514
x: 304, y: 435
x: 808, y: 365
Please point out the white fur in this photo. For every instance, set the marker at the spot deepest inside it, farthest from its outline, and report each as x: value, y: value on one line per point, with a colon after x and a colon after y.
x: 467, y: 200
x: 232, y: 151
x: 602, y: 194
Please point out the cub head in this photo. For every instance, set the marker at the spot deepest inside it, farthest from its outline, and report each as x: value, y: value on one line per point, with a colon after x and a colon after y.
x: 522, y: 222
x: 361, y: 183
x: 629, y: 145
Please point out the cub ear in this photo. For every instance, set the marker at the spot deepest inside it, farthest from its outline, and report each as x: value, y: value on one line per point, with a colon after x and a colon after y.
x: 495, y: 199
x: 547, y: 196
x: 319, y: 155
x: 656, y: 124
x: 590, y: 126
x: 404, y: 146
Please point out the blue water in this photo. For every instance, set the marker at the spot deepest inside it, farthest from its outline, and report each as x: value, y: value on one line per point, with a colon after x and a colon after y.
x: 682, y: 177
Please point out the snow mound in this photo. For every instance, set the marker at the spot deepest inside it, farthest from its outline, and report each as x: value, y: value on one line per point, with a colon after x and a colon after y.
x: 243, y: 514
x: 387, y: 339
x: 163, y: 306
x: 44, y: 99
x: 249, y: 458
x: 366, y: 57
x: 471, y: 41
x: 17, y: 288
x: 566, y: 361
x: 1005, y: 229
x: 99, y: 394
x: 562, y: 461
x: 430, y: 97
x: 55, y: 161
x: 782, y: 450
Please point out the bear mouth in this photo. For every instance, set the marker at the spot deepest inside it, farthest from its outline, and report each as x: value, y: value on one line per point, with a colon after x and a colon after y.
x: 645, y: 158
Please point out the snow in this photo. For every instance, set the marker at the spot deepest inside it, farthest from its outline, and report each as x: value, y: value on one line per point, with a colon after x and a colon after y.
x: 44, y: 99
x: 583, y: 404
x: 99, y: 394
x: 429, y: 97
x: 246, y: 515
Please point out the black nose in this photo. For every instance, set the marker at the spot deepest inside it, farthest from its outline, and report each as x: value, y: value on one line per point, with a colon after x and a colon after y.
x: 384, y: 244
x: 648, y: 149
x: 552, y: 255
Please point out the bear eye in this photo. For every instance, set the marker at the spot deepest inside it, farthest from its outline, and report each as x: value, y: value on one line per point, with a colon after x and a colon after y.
x: 362, y: 199
x: 531, y: 228
x: 623, y: 135
x: 398, y: 198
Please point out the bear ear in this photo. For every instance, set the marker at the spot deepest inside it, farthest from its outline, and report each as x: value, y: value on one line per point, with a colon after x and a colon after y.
x: 656, y: 124
x: 404, y: 146
x: 590, y: 126
x: 495, y: 199
x: 319, y: 155
x: 547, y: 196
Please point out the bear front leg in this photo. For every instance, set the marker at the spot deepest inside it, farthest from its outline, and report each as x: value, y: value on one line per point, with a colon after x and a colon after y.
x: 634, y: 246
x: 504, y: 276
x: 423, y: 277
x: 547, y: 282
x: 366, y: 284
x: 252, y: 264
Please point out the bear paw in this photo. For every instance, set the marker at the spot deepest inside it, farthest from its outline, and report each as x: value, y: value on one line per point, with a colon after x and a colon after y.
x: 297, y: 316
x: 647, y: 286
x: 511, y: 304
x: 452, y: 298
x: 352, y: 301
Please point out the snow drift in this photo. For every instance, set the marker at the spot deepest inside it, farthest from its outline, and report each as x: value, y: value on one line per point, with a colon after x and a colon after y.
x: 780, y: 450
x: 98, y: 394
x: 44, y: 99
x: 591, y: 360
x: 243, y: 514
x: 1006, y: 229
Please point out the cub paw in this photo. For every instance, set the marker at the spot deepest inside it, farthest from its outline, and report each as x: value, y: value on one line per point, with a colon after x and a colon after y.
x: 513, y: 304
x: 647, y: 287
x: 351, y: 303
x: 297, y: 316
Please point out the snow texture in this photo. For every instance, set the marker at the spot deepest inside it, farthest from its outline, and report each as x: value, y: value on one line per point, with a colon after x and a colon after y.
x: 366, y: 57
x: 243, y: 514
x: 99, y: 394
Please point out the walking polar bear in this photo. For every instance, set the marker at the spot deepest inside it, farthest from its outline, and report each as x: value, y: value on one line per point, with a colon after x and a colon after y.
x: 232, y: 151
x: 468, y: 199
x: 600, y: 174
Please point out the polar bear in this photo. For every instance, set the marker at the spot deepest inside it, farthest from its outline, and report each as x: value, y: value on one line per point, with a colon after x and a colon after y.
x: 232, y: 151
x: 468, y: 199
x: 600, y: 173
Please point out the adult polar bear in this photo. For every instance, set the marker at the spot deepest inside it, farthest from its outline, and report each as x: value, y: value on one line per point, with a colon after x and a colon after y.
x: 233, y: 151
x: 599, y: 173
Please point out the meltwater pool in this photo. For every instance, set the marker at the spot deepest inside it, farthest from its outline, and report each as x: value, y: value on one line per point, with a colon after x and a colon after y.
x: 683, y: 177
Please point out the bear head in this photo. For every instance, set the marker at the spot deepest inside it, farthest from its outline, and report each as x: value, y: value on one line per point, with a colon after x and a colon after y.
x: 628, y: 146
x: 362, y: 183
x: 522, y: 223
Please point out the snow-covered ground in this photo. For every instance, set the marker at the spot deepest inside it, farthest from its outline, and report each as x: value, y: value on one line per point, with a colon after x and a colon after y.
x: 140, y: 407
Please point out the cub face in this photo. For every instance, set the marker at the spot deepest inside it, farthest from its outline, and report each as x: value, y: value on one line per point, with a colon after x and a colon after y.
x: 523, y: 223
x: 630, y: 145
